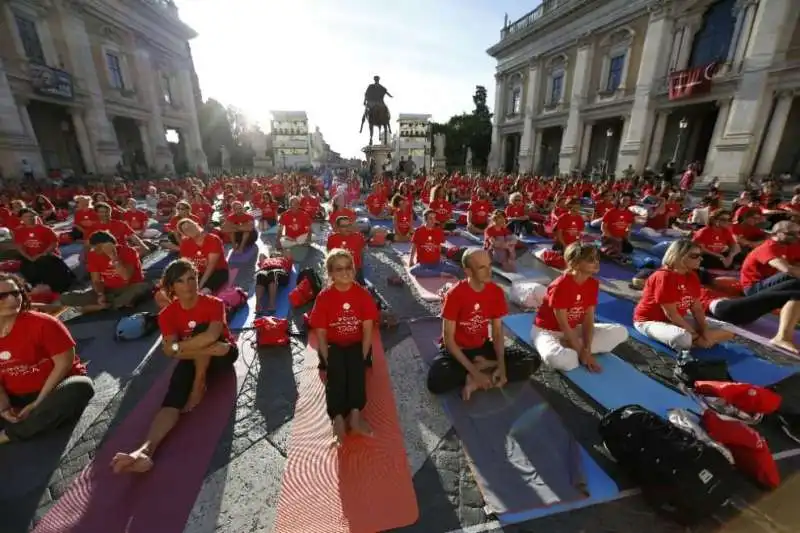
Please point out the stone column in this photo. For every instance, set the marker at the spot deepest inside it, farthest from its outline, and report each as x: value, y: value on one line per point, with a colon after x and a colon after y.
x: 84, y: 144
x: 153, y: 134
x: 731, y: 156
x: 101, y: 132
x: 194, y: 143
x: 531, y: 103
x: 536, y: 160
x: 16, y: 139
x: 774, y: 134
x: 147, y: 147
x: 746, y: 12
x: 658, y: 140
x: 654, y: 55
x: 586, y: 144
x: 568, y: 158
x: 495, y: 153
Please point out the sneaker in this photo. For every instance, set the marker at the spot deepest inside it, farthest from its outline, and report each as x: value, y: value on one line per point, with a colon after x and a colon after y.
x: 790, y: 425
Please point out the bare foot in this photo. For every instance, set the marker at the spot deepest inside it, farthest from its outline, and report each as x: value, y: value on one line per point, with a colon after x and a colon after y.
x: 339, y: 431
x: 784, y: 344
x: 194, y: 399
x: 136, y: 462
x: 359, y: 425
x: 469, y: 388
x: 4, y: 438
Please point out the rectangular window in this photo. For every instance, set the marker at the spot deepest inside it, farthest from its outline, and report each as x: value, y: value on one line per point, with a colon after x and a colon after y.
x: 166, y: 86
x: 115, y: 71
x: 30, y: 39
x: 615, y: 68
x: 516, y: 101
x: 556, y: 88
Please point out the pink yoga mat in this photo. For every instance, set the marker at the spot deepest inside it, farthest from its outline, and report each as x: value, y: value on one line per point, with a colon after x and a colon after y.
x: 160, y: 501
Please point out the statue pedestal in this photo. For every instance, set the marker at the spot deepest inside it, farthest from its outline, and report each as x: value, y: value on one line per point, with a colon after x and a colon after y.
x: 378, y: 152
x: 439, y: 163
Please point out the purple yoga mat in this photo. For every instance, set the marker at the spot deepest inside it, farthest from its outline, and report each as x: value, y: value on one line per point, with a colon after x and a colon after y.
x: 99, y: 501
x: 767, y: 327
x: 237, y: 258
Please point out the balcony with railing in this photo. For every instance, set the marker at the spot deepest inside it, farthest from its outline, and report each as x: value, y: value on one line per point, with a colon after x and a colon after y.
x: 546, y: 8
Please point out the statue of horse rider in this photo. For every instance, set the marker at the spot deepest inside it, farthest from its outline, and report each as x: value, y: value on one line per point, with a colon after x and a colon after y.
x: 373, y: 98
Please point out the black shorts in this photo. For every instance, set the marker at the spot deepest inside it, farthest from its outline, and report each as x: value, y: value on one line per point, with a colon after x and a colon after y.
x: 218, y: 279
x: 273, y: 275
x: 182, y: 380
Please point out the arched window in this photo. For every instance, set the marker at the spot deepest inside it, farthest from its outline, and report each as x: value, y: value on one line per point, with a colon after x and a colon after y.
x: 616, y: 50
x: 712, y: 41
x: 514, y: 106
x: 556, y: 81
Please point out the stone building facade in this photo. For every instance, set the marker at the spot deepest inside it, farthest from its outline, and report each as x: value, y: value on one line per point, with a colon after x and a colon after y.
x: 413, y: 139
x: 291, y: 142
x: 88, y: 85
x: 609, y: 84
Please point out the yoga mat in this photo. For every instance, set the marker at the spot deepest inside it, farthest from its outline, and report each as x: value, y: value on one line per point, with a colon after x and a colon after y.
x: 67, y: 250
x: 243, y: 257
x: 522, y: 274
x: 619, y: 384
x: 525, y: 461
x: 761, y: 331
x: 382, y: 223
x: 743, y: 364
x: 428, y: 288
x: 155, y: 263
x: 460, y: 241
x: 474, y: 239
x: 365, y: 485
x: 654, y: 238
x: 535, y: 239
x: 98, y: 501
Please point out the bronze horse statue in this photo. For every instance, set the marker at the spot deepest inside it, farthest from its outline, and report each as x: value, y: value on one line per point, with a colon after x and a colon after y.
x: 378, y: 115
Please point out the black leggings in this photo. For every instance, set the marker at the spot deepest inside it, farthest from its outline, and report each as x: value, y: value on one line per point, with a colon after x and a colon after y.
x: 48, y: 270
x: 447, y: 374
x: 218, y: 279
x: 712, y: 261
x: 274, y: 275
x: 747, y: 309
x: 346, y: 387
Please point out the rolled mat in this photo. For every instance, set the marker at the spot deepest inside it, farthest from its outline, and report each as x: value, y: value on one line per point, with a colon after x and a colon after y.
x: 619, y: 384
x: 365, y: 485
x: 525, y: 461
x: 743, y: 364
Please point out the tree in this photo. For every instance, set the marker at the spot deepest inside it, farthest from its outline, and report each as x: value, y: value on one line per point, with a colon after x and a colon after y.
x: 468, y: 130
x: 229, y: 127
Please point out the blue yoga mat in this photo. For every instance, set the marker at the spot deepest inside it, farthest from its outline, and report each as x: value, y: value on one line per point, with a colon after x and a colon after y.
x: 526, y: 462
x: 474, y: 239
x: 460, y: 241
x: 619, y: 384
x: 402, y: 248
x: 535, y: 239
x: 381, y: 223
x: 743, y: 364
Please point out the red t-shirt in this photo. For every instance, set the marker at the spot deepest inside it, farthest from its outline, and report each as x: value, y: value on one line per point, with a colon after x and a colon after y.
x: 203, y: 211
x: 376, y: 203
x: 571, y: 227
x: 565, y: 293
x: 342, y: 313
x: 86, y: 219
x: 472, y: 311
x: 618, y: 222
x: 176, y: 321
x: 269, y: 210
x: 666, y: 286
x: 35, y: 239
x: 515, y: 210
x: 443, y: 209
x: 135, y: 219
x: 749, y: 232
x: 172, y: 225
x: 240, y: 218
x: 309, y: 204
x: 714, y: 239
x: 492, y: 232
x: 480, y: 209
x: 26, y: 353
x: 295, y: 223
x: 119, y: 229
x: 352, y: 242
x: 402, y: 223
x: 101, y: 264
x: 756, y: 264
x: 428, y: 242
x: 342, y: 212
x: 198, y: 253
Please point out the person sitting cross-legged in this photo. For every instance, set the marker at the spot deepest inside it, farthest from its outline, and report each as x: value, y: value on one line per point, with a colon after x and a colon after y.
x: 43, y: 385
x: 342, y: 319
x: 294, y: 226
x: 116, y: 275
x: 670, y: 294
x: 37, y: 244
x: 425, y: 260
x: 207, y: 254
x: 468, y: 358
x: 195, y: 332
x: 564, y: 332
x: 240, y: 226
x: 500, y: 242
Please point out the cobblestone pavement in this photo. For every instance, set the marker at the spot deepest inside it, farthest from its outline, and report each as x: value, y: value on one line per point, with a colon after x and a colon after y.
x: 243, y: 480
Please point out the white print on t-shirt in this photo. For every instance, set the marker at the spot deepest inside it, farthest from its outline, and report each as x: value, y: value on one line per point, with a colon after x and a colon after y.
x: 686, y: 299
x: 192, y: 324
x: 347, y: 324
x: 5, y: 356
x: 575, y: 313
x: 32, y: 242
x: 475, y: 324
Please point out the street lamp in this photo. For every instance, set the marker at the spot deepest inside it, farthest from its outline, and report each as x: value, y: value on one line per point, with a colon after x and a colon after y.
x: 609, y: 134
x: 682, y: 125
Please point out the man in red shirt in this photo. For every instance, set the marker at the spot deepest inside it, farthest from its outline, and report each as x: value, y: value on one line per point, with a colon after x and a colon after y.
x: 569, y: 226
x: 771, y: 265
x: 377, y: 203
x: 472, y: 312
x: 38, y: 246
x: 121, y: 231
x: 294, y: 226
x: 616, y: 225
x: 240, y: 227
x: 353, y: 241
x: 425, y: 260
x: 478, y: 213
x: 116, y: 275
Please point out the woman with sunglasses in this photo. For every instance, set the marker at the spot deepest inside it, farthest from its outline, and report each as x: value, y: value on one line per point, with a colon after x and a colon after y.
x: 342, y: 319
x: 207, y: 254
x: 194, y: 331
x: 670, y: 295
x: 717, y: 242
x: 564, y: 332
x: 345, y: 237
x: 43, y: 384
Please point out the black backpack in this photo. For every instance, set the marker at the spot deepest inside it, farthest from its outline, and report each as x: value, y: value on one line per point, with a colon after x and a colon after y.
x: 680, y: 475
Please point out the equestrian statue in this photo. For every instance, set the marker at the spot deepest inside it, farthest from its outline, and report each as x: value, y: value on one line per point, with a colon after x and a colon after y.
x: 376, y: 112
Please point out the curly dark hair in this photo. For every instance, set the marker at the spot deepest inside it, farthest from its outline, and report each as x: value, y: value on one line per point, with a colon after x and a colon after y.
x: 174, y: 272
x: 24, y: 287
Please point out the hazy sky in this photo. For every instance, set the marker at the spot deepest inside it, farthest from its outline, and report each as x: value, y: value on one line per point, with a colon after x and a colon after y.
x: 319, y: 56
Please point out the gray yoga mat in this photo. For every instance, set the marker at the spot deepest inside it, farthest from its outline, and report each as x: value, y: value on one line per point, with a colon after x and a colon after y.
x: 520, y: 452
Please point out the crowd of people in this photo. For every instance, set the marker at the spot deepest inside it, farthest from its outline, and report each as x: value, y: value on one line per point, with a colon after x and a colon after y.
x: 43, y: 384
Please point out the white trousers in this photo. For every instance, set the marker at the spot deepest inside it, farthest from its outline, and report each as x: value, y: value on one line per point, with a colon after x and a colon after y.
x: 606, y: 337
x: 666, y: 333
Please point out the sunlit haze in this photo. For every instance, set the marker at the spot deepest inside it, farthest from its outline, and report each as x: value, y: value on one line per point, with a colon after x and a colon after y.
x: 318, y: 56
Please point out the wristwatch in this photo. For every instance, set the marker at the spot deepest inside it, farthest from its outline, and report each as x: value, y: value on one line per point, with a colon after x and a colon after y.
x: 176, y: 348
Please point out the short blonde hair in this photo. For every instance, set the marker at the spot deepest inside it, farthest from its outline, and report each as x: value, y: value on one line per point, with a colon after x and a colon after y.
x: 676, y: 252
x: 579, y: 251
x: 333, y: 255
x: 183, y: 222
